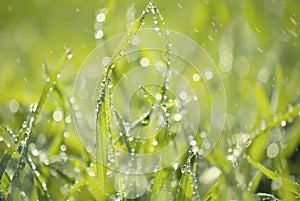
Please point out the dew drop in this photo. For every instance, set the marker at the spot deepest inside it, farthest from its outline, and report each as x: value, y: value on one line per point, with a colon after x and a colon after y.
x: 98, y: 34
x: 68, y: 119
x: 158, y: 97
x: 177, y: 117
x: 63, y: 147
x: 263, y: 75
x: 13, y: 105
x: 207, y: 145
x: 100, y: 17
x: 69, y: 56
x: 193, y: 143
x: 57, y: 115
x: 272, y: 150
x: 283, y: 123
x: 183, y: 95
x: 276, y: 184
x: 58, y: 75
x: 132, y: 186
x: 196, y: 77
x: 35, y: 152
x: 294, y: 22
x: 208, y: 75
x: 1, y: 139
x: 144, y: 62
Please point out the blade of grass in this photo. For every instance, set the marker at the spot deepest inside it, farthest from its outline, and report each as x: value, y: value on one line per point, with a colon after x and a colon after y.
x: 123, y: 131
x: 213, y: 192
x: 261, y: 136
x: 254, y: 182
x: 289, y: 185
x: 25, y: 133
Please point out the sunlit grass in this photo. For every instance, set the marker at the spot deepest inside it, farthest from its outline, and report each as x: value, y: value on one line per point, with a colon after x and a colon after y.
x: 39, y: 159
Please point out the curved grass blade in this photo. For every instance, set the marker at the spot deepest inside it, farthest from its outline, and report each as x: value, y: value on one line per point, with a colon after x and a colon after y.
x: 213, y: 192
x: 287, y: 184
x: 254, y: 182
x: 261, y: 137
x: 187, y: 188
x: 25, y: 134
x: 123, y: 131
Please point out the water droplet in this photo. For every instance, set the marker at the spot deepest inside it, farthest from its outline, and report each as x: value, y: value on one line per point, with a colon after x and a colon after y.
x: 283, y: 123
x: 68, y: 119
x: 208, y: 75
x: 207, y: 145
x: 99, y: 34
x: 57, y: 115
x: 183, y: 95
x: 294, y: 22
x: 276, y: 184
x: 155, y: 143
x: 272, y: 150
x: 35, y: 152
x: 263, y: 75
x: 1, y: 139
x: 58, y: 75
x: 63, y: 147
x: 193, y: 143
x: 177, y: 117
x: 13, y: 105
x: 196, y: 77
x: 69, y: 56
x: 66, y: 134
x: 33, y: 107
x: 132, y: 186
x: 158, y: 97
x: 225, y: 61
x: 144, y: 62
x: 156, y: 29
x: 100, y: 17
x: 183, y: 169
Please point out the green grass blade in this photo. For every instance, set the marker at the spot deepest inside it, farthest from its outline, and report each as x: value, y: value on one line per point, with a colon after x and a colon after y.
x: 213, y: 192
x: 123, y: 131
x: 254, y: 182
x: 289, y: 186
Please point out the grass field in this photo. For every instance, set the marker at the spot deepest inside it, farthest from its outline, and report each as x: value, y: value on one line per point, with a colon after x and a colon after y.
x: 137, y: 100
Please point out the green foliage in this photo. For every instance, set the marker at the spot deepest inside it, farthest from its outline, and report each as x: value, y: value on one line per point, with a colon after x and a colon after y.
x: 256, y: 158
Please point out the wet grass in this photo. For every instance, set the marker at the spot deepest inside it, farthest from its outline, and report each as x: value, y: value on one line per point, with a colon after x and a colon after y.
x: 253, y: 165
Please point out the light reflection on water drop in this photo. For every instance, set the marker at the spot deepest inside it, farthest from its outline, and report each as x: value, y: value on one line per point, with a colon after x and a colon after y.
x: 144, y: 62
x: 98, y: 34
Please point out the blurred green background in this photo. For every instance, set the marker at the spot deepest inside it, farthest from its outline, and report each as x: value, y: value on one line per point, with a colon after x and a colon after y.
x: 255, y: 45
